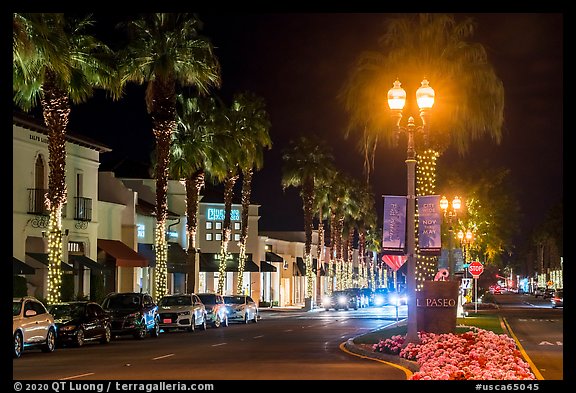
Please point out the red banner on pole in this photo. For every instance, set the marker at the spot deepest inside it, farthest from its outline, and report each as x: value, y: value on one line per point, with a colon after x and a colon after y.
x: 394, y: 261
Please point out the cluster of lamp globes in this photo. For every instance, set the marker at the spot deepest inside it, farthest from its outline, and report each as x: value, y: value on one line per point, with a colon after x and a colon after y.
x: 397, y: 96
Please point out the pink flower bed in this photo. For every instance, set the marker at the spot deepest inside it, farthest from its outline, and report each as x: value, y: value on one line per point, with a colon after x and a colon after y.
x: 477, y: 354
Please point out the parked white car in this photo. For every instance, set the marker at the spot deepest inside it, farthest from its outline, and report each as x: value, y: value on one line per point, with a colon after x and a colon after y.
x: 185, y: 311
x: 32, y: 326
x: 241, y: 308
x: 216, y: 311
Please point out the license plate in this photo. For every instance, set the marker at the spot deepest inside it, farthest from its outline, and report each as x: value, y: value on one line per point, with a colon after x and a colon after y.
x: 167, y: 320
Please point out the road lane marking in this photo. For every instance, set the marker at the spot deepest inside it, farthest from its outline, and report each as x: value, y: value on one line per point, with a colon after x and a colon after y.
x: 76, y: 376
x: 163, y: 356
x: 260, y: 336
x: 217, y: 345
x: 288, y: 330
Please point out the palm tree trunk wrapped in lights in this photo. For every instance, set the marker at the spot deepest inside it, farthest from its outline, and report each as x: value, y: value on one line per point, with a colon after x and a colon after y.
x: 224, y: 255
x: 246, y: 191
x: 56, y: 63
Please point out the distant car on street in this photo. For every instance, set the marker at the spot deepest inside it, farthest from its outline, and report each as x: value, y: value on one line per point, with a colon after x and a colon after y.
x: 185, y: 311
x: 558, y: 298
x: 381, y: 297
x: 81, y: 321
x: 241, y: 308
x: 132, y: 313
x: 343, y: 299
x: 32, y: 326
x: 216, y: 310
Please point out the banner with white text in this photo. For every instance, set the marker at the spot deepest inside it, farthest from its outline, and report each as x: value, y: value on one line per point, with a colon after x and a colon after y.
x: 429, y: 220
x: 394, y: 229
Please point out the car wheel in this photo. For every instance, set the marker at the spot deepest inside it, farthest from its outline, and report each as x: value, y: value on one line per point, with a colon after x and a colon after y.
x: 107, y: 335
x: 246, y: 318
x: 327, y: 308
x: 50, y: 344
x: 192, y: 326
x: 217, y: 322
x: 225, y: 321
x: 18, y: 345
x: 255, y: 318
x: 156, y: 329
x: 141, y: 333
x: 79, y: 337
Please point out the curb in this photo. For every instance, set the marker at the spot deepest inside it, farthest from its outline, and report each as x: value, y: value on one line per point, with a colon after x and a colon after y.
x: 393, y: 359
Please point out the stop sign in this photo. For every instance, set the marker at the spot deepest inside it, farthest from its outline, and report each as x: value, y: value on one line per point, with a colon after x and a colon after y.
x: 476, y: 269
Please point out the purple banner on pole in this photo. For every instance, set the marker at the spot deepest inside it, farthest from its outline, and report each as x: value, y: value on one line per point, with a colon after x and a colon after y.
x: 394, y: 231
x: 429, y: 220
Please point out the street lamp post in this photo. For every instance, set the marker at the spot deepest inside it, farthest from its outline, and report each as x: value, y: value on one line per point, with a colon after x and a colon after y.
x: 396, y: 102
x: 450, y: 214
x: 465, y: 240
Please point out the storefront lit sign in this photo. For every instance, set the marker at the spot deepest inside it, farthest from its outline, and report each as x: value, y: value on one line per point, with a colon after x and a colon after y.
x: 218, y: 214
x: 141, y: 230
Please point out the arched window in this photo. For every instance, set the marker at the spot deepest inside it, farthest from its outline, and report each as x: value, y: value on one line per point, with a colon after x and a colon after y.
x: 40, y: 188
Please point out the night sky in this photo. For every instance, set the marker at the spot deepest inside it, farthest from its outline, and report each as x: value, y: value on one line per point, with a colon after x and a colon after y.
x: 298, y: 62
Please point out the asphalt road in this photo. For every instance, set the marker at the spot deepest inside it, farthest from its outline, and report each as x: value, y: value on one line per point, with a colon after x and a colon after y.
x: 283, y: 345
x: 540, y: 330
x: 289, y: 345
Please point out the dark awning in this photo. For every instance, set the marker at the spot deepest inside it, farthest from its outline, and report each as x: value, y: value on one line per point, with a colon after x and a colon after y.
x: 323, y: 267
x: 267, y: 267
x: 43, y: 259
x: 19, y: 267
x: 273, y: 257
x: 86, y: 262
x: 124, y: 255
x: 300, y: 268
x: 177, y: 257
x: 209, y: 262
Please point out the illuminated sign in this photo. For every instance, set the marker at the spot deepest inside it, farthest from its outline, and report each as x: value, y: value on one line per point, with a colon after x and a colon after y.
x: 141, y: 230
x: 218, y: 214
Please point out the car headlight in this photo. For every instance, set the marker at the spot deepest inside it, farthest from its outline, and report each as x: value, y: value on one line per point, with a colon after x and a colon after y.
x: 184, y: 313
x: 342, y: 300
x: 379, y: 300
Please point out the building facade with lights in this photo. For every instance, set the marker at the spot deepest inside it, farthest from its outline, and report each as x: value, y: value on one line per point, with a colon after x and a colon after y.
x: 80, y: 219
x: 108, y: 232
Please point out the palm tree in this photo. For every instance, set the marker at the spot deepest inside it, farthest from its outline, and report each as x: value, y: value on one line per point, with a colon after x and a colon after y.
x: 165, y: 50
x: 469, y: 96
x: 251, y: 122
x: 56, y: 63
x: 195, y: 151
x: 307, y: 162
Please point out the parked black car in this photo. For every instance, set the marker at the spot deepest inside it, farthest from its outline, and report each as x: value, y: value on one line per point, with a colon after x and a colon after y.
x: 132, y: 313
x: 78, y: 322
x: 341, y: 300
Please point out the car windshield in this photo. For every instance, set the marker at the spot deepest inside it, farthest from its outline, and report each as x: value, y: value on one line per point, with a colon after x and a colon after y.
x: 66, y: 311
x: 207, y: 298
x: 234, y: 299
x: 16, y: 307
x: 175, y: 301
x: 122, y: 301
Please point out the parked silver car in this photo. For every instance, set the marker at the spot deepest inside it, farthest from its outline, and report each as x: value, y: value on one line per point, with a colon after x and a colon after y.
x: 32, y: 326
x: 241, y: 308
x: 183, y: 311
x: 216, y: 312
